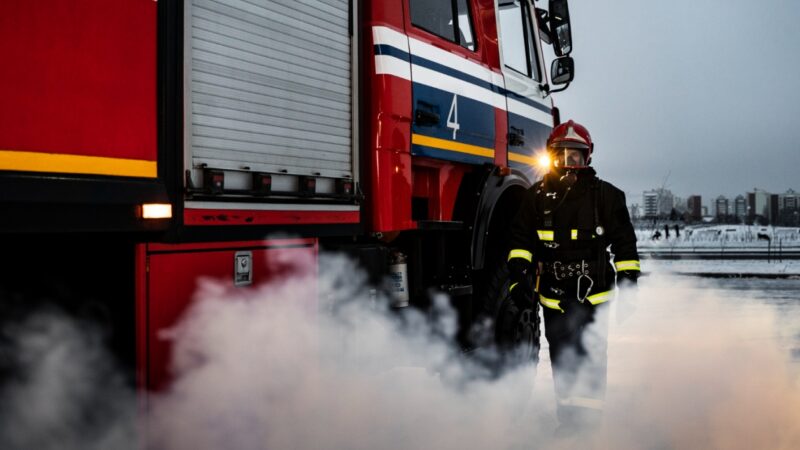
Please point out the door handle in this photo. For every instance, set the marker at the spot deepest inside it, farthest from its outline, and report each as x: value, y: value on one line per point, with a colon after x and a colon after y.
x: 426, y: 115
x: 516, y: 137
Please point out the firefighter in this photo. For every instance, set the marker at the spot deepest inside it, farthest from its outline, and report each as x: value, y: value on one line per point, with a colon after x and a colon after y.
x: 574, y: 233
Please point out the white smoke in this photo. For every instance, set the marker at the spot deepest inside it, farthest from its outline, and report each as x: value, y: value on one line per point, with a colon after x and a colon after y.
x: 266, y: 369
x: 275, y: 368
x: 695, y: 369
x: 61, y: 389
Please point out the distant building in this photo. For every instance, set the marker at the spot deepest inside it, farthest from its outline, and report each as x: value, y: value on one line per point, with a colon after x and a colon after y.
x: 694, y: 204
x: 667, y: 202
x: 657, y: 202
x: 679, y: 203
x: 721, y: 206
x: 774, y: 212
x: 650, y: 203
x: 789, y: 208
x: 789, y: 200
x: 758, y: 203
x: 704, y: 210
x: 740, y: 207
x: 762, y: 204
x: 634, y: 211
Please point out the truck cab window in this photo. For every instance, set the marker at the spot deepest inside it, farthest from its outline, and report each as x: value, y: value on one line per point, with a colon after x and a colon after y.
x: 516, y: 38
x: 466, y: 39
x: 531, y: 38
x: 437, y: 17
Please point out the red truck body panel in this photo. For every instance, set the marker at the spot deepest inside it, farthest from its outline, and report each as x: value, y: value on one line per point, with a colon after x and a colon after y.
x: 79, y: 87
x: 388, y: 147
x: 225, y: 217
x: 168, y: 276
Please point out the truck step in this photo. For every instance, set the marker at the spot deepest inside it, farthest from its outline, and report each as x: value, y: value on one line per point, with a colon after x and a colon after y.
x: 458, y: 290
x: 440, y: 225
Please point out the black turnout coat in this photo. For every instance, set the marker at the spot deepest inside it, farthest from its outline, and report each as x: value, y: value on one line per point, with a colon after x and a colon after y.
x: 569, y: 233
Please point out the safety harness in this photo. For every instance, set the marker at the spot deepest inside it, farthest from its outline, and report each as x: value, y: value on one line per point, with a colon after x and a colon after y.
x: 587, y: 264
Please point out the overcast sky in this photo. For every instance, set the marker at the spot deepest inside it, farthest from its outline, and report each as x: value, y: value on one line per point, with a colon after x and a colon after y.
x: 704, y: 94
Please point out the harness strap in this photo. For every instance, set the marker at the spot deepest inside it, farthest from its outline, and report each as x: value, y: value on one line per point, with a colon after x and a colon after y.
x: 601, y: 240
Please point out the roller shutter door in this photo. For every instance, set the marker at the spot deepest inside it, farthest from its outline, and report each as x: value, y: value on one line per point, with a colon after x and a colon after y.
x: 269, y: 86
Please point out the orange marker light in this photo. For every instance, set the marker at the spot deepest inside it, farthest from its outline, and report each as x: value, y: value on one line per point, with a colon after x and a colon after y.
x: 156, y: 211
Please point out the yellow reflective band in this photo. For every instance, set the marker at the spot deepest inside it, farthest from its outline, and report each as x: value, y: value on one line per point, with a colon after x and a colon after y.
x: 545, y: 235
x: 516, y: 157
x: 581, y: 402
x: 444, y: 144
x: 512, y: 286
x: 627, y: 265
x: 600, y: 297
x: 550, y: 303
x: 520, y: 253
x: 574, y: 234
x: 80, y: 164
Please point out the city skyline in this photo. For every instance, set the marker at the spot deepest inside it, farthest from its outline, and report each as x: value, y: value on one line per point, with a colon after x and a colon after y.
x: 756, y: 206
x: 706, y: 199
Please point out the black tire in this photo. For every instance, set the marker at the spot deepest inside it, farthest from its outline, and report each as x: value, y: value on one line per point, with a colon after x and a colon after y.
x: 514, y: 330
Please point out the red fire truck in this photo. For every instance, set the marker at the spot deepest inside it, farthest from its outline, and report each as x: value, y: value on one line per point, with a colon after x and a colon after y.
x: 144, y: 144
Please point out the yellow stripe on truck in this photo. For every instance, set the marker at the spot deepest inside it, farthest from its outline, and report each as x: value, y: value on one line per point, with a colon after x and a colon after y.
x: 516, y: 157
x: 444, y: 144
x: 63, y: 163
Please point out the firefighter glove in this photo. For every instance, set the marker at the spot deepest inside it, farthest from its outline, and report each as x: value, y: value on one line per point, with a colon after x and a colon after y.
x: 517, y: 270
x: 521, y: 292
x: 627, y: 279
x: 519, y: 283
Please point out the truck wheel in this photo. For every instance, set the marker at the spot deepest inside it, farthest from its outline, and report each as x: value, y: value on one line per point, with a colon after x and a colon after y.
x: 516, y: 328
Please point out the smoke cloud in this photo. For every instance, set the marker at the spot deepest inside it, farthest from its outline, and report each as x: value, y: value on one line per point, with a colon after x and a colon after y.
x: 61, y: 389
x: 275, y: 368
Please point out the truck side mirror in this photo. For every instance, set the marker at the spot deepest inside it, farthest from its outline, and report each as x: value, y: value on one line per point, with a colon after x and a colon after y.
x: 542, y: 19
x: 560, y: 28
x: 562, y: 70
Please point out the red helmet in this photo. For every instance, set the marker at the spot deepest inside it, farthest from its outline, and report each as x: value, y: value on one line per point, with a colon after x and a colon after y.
x: 570, y: 135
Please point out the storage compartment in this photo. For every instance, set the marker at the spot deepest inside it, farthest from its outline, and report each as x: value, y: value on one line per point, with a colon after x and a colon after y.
x: 269, y: 91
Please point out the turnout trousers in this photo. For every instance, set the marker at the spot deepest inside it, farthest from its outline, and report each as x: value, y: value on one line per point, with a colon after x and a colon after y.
x: 578, y: 339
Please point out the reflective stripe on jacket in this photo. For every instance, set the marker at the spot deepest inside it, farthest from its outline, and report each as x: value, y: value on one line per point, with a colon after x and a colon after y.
x: 594, y: 299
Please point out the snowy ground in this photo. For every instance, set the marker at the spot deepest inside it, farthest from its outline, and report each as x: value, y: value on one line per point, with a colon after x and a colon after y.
x: 720, y: 237
x: 694, y: 266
